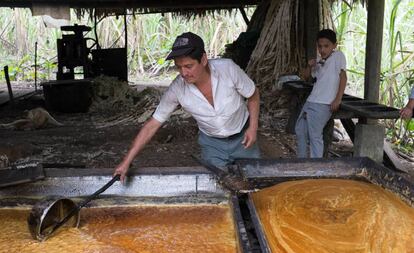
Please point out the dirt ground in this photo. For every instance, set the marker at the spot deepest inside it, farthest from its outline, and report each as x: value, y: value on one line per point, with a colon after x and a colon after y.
x: 101, y: 137
x: 87, y: 140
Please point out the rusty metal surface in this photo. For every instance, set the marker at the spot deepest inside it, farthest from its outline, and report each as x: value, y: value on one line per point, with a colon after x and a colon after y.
x: 297, y: 167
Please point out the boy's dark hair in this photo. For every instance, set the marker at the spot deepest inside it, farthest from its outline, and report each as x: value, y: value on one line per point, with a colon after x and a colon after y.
x: 327, y: 34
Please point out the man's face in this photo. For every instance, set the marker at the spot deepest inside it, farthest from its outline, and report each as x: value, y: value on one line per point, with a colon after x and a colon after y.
x: 190, y: 69
x: 325, y: 47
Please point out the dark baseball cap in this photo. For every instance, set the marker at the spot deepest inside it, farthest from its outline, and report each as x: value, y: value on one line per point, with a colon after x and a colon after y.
x: 185, y: 44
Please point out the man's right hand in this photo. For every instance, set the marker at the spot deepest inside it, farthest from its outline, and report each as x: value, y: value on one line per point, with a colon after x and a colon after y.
x: 121, y: 170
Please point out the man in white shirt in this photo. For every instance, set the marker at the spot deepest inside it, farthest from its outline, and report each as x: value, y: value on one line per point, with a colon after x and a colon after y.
x: 214, y: 92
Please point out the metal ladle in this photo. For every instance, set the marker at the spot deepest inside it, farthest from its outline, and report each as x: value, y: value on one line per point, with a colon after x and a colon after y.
x: 53, y: 212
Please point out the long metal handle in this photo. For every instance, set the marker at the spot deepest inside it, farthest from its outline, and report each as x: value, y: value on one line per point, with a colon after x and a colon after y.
x: 102, y: 189
x: 229, y: 181
x: 86, y: 201
x: 218, y: 172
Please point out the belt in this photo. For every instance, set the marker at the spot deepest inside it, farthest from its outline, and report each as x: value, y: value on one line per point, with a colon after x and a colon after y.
x: 234, y: 136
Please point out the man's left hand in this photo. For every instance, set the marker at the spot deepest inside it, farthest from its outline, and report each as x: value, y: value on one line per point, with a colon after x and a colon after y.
x: 250, y: 137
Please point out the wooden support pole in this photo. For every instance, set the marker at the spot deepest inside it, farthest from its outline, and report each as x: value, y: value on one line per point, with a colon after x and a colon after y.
x: 95, y: 25
x: 126, y: 39
x: 126, y: 29
x: 373, y: 50
x: 35, y: 66
x: 244, y: 15
x: 369, y: 136
x: 311, y: 15
x: 9, y: 88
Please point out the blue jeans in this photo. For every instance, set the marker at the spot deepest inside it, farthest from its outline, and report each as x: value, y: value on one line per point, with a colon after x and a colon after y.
x: 309, y: 127
x: 223, y: 151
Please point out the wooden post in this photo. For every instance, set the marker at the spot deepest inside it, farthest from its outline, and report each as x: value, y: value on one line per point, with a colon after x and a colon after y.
x: 35, y: 66
x: 311, y: 14
x: 126, y: 39
x: 369, y: 135
x: 244, y: 15
x: 9, y: 88
x: 373, y: 50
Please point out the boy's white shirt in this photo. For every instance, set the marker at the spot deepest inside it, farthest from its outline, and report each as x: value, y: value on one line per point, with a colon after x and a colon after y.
x: 327, y: 78
x: 230, y: 87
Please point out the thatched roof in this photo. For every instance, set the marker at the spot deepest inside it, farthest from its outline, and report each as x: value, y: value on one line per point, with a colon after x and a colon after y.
x: 161, y: 5
x: 116, y: 7
x: 110, y: 7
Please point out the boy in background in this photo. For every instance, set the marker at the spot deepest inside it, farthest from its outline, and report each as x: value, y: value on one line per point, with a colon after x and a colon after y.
x: 329, y: 70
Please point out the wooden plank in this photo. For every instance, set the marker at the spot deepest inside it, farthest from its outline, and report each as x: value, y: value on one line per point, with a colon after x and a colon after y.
x: 368, y: 110
x: 351, y: 107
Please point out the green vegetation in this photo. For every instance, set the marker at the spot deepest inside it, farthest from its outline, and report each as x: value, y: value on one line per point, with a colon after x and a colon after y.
x: 150, y: 37
x: 397, y: 70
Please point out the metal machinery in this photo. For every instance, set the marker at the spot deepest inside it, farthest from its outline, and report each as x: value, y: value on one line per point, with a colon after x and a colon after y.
x: 66, y: 94
x: 72, y: 52
x: 75, y: 57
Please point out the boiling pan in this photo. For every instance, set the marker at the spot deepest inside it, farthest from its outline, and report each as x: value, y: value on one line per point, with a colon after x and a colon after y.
x: 53, y: 212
